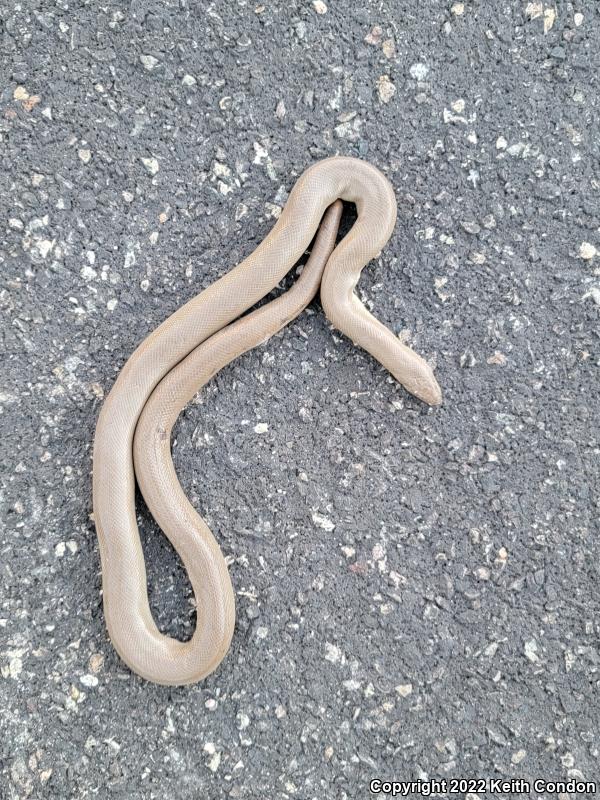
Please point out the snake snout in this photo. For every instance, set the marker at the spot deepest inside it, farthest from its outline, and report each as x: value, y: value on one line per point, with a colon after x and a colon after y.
x: 433, y: 394
x: 422, y: 384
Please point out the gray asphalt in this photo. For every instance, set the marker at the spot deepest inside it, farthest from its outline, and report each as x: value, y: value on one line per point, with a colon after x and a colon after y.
x: 417, y: 588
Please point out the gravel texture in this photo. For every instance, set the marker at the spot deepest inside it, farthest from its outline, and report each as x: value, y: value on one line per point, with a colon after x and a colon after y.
x: 417, y: 588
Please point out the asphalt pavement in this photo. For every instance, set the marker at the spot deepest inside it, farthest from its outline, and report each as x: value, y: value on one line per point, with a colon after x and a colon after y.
x: 417, y: 588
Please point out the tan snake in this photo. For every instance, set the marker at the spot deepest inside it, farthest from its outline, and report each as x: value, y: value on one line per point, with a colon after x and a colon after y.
x: 183, y: 354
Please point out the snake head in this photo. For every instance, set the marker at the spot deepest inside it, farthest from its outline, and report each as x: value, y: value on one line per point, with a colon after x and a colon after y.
x: 421, y: 383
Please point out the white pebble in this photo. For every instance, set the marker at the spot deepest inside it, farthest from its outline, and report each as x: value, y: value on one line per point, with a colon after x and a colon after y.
x: 260, y: 154
x: 262, y: 427
x: 15, y: 666
x: 89, y: 680
x: 517, y: 149
x: 332, y: 653
x: 319, y: 6
x: 477, y: 258
x: 378, y: 551
x: 549, y: 17
x: 587, y: 251
x: 221, y: 170
x: 149, y: 61
x: 404, y: 689
x: 151, y: 165
x: 215, y: 759
x: 88, y: 274
x: 85, y: 155
x: 323, y: 522
x: 273, y: 210
x: 534, y: 9
x: 214, y: 762
x: 419, y: 71
x: 243, y: 720
x: 531, y: 649
x: 44, y: 246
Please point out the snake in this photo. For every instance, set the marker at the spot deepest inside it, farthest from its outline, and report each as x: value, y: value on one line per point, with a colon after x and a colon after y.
x: 132, y: 442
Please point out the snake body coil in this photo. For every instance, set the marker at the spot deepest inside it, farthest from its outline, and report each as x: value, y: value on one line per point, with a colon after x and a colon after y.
x: 133, y: 432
